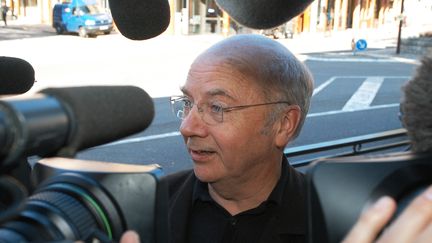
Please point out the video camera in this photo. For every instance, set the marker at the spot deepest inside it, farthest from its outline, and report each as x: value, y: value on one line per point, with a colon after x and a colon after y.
x: 340, y: 188
x: 74, y: 199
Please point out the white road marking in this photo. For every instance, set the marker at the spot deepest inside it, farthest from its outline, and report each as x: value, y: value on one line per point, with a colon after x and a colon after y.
x: 364, y: 95
x: 323, y: 85
x: 330, y: 80
x: 326, y: 113
x: 174, y: 134
x: 318, y: 114
x: 347, y: 59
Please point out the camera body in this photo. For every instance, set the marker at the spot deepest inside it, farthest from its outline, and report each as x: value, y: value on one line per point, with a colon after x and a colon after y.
x: 339, y: 189
x: 77, y: 200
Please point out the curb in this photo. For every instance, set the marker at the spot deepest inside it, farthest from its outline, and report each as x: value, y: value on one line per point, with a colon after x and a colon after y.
x: 395, y: 58
x: 359, y: 57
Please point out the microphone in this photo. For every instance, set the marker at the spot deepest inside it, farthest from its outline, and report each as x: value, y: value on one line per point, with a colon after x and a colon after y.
x: 416, y: 106
x: 140, y: 19
x: 263, y: 14
x: 62, y: 121
x: 16, y: 76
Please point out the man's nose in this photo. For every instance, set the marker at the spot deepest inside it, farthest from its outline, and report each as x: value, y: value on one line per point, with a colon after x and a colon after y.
x: 193, y: 124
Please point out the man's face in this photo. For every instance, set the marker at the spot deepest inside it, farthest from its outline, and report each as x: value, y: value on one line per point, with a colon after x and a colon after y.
x: 239, y: 146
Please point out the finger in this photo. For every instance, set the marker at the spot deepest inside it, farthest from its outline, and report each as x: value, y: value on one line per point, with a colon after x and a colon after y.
x: 371, y: 221
x: 413, y: 220
x: 130, y: 237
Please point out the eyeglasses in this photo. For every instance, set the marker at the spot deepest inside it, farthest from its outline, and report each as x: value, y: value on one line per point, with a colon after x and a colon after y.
x: 211, y: 113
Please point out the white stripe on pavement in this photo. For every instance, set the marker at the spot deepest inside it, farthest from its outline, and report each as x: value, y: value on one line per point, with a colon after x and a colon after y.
x: 326, y: 113
x: 330, y: 80
x: 364, y: 76
x: 174, y: 134
x: 390, y: 60
x: 364, y: 95
x: 323, y: 85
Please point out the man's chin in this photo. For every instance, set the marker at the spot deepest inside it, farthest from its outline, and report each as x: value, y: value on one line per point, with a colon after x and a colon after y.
x: 204, y: 175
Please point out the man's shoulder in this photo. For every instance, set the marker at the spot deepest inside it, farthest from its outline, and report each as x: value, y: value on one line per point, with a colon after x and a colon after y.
x: 178, y: 177
x: 182, y: 180
x: 295, y: 178
x: 296, y: 185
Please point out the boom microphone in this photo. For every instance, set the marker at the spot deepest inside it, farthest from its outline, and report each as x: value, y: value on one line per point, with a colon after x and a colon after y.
x: 416, y: 106
x: 140, y: 19
x: 16, y: 76
x: 62, y: 121
x: 263, y: 14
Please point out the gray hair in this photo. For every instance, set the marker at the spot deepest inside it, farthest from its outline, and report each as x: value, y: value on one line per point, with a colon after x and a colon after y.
x: 416, y: 107
x: 281, y: 76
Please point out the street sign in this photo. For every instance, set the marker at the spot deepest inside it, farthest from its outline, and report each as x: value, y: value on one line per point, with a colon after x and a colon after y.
x: 361, y: 45
x: 400, y: 17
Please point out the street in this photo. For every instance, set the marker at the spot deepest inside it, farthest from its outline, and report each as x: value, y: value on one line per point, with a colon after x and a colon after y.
x: 354, y: 95
x: 161, y: 143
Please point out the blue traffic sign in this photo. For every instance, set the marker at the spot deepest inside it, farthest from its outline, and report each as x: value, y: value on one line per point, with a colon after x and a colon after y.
x: 361, y: 45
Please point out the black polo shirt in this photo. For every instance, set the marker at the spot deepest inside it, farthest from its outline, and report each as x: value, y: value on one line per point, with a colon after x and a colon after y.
x: 209, y: 222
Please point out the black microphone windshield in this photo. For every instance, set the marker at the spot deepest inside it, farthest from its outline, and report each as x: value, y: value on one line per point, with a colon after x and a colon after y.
x: 263, y: 14
x: 101, y: 114
x: 17, y: 76
x: 140, y: 19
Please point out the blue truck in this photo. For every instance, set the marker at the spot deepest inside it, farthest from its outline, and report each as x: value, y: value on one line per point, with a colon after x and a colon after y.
x: 83, y: 17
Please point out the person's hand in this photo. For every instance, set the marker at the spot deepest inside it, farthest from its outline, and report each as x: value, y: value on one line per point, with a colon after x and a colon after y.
x: 413, y: 225
x: 130, y: 237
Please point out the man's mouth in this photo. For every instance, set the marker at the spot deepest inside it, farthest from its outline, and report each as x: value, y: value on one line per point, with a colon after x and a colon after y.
x: 199, y: 155
x: 201, y: 152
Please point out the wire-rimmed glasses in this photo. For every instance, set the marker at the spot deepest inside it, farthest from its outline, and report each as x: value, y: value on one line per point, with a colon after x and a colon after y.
x: 211, y: 112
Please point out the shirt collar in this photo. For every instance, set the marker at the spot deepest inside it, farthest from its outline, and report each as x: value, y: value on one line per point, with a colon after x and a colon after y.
x: 200, y: 190
x: 277, y: 194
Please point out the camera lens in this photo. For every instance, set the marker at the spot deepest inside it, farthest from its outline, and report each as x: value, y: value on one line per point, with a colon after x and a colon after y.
x: 59, y: 211
x: 90, y: 201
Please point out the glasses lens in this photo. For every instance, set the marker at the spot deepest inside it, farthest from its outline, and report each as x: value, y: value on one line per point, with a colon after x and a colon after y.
x: 178, y: 107
x: 211, y: 114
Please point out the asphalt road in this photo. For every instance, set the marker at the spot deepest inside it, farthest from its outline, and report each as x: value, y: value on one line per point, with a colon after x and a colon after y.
x: 329, y: 118
x: 353, y: 96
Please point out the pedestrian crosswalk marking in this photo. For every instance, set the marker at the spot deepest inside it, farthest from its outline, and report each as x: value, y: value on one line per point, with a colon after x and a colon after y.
x: 323, y: 85
x: 364, y: 95
x: 335, y: 112
x: 360, y: 101
x: 330, y: 80
x: 177, y: 133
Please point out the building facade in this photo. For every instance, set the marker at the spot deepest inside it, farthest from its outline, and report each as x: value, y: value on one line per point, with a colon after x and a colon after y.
x: 204, y: 16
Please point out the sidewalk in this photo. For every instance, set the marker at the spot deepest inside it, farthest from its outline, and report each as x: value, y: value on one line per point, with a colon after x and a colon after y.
x: 381, y: 46
x: 24, y: 28
x: 335, y: 46
x: 387, y: 54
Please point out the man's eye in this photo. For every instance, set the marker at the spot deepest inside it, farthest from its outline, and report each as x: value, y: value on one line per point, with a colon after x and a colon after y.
x: 187, y: 103
x: 216, y: 108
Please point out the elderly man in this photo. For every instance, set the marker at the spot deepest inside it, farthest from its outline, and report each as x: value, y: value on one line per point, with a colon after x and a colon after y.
x: 244, y: 100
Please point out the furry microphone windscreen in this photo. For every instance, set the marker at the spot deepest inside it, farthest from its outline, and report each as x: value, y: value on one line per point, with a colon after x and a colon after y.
x: 17, y: 76
x: 416, y: 106
x: 102, y: 114
x: 263, y: 14
x: 140, y: 19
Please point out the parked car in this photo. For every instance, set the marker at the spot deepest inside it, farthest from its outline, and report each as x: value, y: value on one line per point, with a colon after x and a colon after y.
x: 282, y: 31
x: 84, y: 18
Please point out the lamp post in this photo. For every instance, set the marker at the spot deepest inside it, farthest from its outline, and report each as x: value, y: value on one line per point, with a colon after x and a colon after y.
x: 400, y: 28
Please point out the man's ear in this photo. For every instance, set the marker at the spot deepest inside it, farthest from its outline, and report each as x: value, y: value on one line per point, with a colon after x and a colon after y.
x: 288, y: 124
